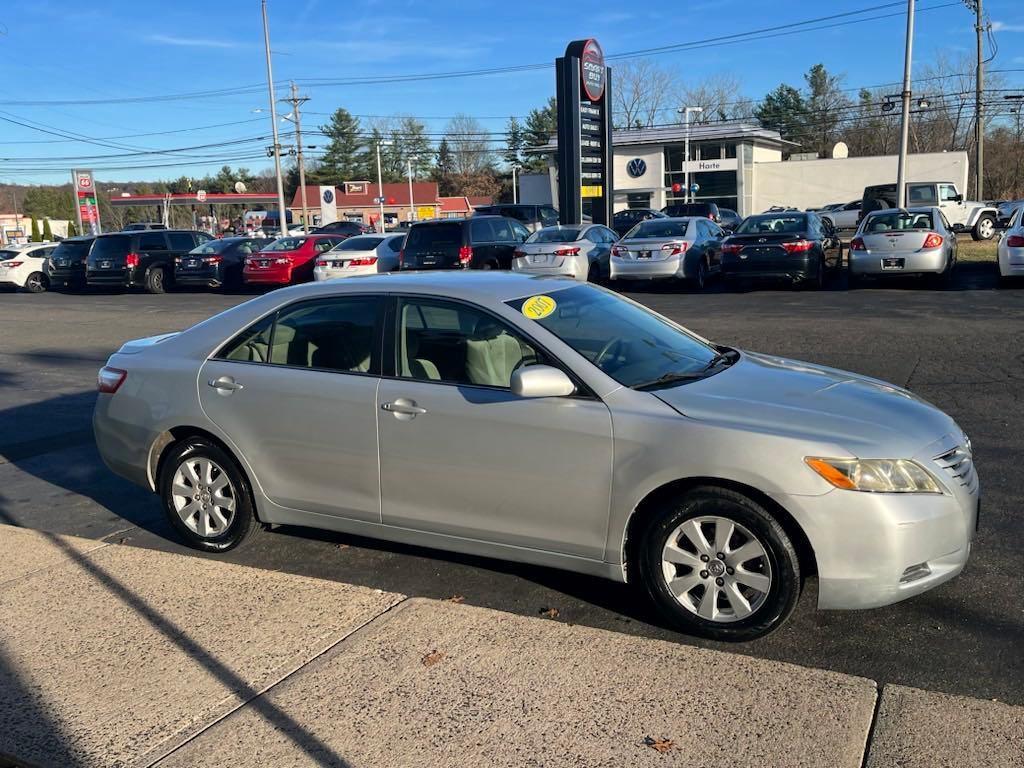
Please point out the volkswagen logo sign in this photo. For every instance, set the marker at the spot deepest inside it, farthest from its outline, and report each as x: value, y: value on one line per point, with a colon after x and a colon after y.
x: 636, y: 168
x: 328, y: 196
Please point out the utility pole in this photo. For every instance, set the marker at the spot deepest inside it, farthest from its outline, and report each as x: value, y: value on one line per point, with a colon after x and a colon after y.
x: 686, y: 112
x: 515, y: 190
x: 901, y: 172
x: 979, y: 107
x: 380, y: 189
x: 296, y: 101
x: 412, y: 203
x: 282, y: 211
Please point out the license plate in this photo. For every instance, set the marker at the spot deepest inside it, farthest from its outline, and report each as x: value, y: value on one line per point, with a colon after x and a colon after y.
x: 263, y: 263
x: 643, y: 254
x: 538, y: 259
x: 893, y: 263
x: 60, y: 262
x: 337, y: 264
x: 104, y: 265
x: 192, y: 263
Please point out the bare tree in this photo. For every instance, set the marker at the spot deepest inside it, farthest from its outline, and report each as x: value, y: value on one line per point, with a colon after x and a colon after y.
x: 469, y: 145
x: 719, y: 96
x: 642, y: 94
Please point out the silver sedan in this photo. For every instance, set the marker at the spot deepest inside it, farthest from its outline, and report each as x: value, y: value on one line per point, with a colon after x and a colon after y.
x: 581, y: 252
x: 910, y: 241
x: 688, y: 248
x: 549, y: 422
x: 1010, y: 251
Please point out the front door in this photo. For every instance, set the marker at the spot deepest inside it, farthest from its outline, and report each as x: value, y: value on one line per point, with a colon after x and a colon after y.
x: 296, y: 394
x: 463, y: 456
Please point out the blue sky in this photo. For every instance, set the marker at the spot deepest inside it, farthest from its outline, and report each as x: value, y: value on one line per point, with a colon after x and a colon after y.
x: 57, y: 50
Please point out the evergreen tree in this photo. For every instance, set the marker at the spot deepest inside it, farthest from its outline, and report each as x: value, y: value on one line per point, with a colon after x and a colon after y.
x: 444, y: 169
x: 72, y: 229
x: 513, y: 143
x: 35, y: 238
x: 785, y: 110
x: 541, y: 126
x: 366, y: 168
x: 345, y: 156
x: 47, y: 231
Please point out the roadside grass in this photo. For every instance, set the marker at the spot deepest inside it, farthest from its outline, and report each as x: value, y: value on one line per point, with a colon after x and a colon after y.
x: 971, y: 250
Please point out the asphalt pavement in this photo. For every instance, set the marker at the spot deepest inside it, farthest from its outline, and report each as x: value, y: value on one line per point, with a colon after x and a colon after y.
x: 960, y: 348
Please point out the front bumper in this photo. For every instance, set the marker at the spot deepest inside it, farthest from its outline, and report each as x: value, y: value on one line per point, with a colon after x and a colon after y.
x: 932, y: 261
x: 865, y: 543
x: 648, y: 269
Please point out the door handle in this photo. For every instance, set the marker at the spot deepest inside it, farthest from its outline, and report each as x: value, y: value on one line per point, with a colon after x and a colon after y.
x: 224, y: 384
x: 403, y: 407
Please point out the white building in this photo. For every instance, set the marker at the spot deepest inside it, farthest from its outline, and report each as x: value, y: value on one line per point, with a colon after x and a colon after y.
x: 739, y: 166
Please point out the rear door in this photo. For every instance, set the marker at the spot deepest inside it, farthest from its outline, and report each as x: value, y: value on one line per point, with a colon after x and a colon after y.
x: 180, y: 243
x: 433, y: 245
x: 487, y: 251
x: 295, y: 393
x: 153, y: 248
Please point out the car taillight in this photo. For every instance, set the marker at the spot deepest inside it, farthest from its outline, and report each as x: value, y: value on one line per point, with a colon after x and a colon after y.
x: 465, y: 255
x: 933, y: 240
x: 673, y: 249
x: 518, y: 254
x: 283, y: 260
x: 619, y: 250
x: 366, y: 261
x: 131, y: 260
x: 11, y: 264
x: 1015, y: 241
x: 212, y: 259
x: 711, y: 216
x: 857, y: 244
x: 798, y: 246
x: 566, y: 251
x: 109, y: 380
x: 732, y: 248
x: 321, y: 263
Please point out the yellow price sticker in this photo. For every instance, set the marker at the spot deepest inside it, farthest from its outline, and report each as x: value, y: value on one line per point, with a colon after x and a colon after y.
x: 539, y: 307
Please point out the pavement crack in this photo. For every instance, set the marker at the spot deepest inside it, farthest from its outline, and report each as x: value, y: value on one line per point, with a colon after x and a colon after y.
x: 871, y: 726
x: 913, y: 370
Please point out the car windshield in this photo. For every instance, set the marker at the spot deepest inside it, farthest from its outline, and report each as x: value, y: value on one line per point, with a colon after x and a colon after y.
x: 754, y: 225
x: 628, y: 342
x: 214, y: 246
x: 555, y: 235
x: 659, y: 228
x: 359, y: 244
x: 897, y: 221
x: 286, y: 244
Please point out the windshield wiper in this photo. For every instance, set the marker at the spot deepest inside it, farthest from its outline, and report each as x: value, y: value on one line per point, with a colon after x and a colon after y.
x: 670, y: 378
x: 727, y: 355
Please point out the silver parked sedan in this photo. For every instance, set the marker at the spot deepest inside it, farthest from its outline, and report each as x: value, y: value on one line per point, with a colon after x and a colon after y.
x: 1010, y: 251
x: 685, y: 247
x: 910, y: 241
x: 581, y: 252
x: 550, y: 422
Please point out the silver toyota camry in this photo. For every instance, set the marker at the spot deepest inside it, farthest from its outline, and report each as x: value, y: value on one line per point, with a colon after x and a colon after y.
x: 551, y: 422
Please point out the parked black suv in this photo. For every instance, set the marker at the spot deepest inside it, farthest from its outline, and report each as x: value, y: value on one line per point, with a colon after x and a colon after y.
x: 533, y: 217
x: 623, y: 221
x: 217, y: 263
x: 346, y: 228
x: 66, y: 265
x: 132, y: 259
x: 480, y: 242
x: 706, y: 210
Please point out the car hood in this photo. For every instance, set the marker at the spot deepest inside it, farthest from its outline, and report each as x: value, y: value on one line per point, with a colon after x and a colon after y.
x: 867, y: 417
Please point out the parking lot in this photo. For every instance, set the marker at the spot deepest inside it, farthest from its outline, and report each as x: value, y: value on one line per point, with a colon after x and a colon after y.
x: 960, y: 348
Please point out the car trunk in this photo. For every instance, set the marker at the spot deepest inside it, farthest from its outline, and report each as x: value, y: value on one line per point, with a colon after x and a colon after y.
x: 906, y: 241
x: 433, y: 246
x: 110, y: 253
x: 547, y: 255
x: 764, y: 247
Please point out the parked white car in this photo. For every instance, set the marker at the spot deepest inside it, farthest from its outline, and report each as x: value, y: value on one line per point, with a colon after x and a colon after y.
x: 1011, y: 247
x: 580, y: 252
x: 24, y: 266
x: 846, y: 216
x: 360, y: 255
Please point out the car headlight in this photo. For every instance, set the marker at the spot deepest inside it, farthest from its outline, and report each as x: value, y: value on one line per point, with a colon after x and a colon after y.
x: 875, y: 475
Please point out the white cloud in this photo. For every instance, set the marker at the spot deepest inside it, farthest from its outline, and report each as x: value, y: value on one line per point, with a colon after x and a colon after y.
x: 192, y: 42
x: 1002, y: 26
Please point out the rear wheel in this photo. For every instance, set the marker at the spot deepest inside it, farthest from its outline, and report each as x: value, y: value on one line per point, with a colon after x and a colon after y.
x: 206, y: 497
x: 699, y: 280
x: 718, y: 565
x: 984, y: 228
x: 36, y: 283
x: 594, y: 273
x: 155, y: 280
x: 817, y: 280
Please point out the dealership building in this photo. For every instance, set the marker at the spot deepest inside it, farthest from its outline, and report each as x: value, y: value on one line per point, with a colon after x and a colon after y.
x: 739, y: 165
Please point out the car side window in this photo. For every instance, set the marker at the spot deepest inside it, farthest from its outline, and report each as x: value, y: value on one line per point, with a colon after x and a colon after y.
x: 320, y: 246
x: 154, y: 241
x: 947, y: 193
x: 480, y: 231
x: 519, y: 232
x: 454, y: 343
x: 502, y: 231
x: 181, y: 241
x: 252, y: 345
x: 335, y: 334
x: 945, y: 222
x: 922, y: 194
x: 548, y: 216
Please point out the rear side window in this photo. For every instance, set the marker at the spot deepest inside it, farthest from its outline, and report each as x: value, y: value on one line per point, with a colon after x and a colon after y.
x: 435, y: 236
x: 922, y: 195
x: 518, y: 212
x: 112, y: 246
x: 154, y: 241
x: 503, y: 231
x: 548, y: 216
x: 481, y: 231
x: 334, y: 334
x: 252, y: 345
x: 181, y: 241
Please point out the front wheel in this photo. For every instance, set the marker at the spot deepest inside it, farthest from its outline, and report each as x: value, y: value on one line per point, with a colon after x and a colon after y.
x: 206, y: 497
x: 984, y: 228
x: 718, y: 565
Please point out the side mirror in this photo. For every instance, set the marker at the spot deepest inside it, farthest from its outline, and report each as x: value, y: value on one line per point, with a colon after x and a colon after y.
x: 541, y: 381
x: 959, y: 198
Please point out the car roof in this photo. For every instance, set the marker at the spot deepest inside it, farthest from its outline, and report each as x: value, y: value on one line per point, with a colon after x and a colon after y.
x: 915, y: 209
x: 26, y: 246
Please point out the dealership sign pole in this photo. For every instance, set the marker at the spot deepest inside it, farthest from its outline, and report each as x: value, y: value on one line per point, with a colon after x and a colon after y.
x: 583, y: 88
x: 87, y: 211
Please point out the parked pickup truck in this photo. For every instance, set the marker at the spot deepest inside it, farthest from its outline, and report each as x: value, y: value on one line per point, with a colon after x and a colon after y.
x: 964, y: 215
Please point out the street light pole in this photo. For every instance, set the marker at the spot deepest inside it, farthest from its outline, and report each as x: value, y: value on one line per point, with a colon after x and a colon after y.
x: 380, y: 190
x: 979, y: 107
x: 515, y: 189
x: 282, y: 212
x: 296, y: 101
x: 686, y: 111
x: 901, y: 170
x: 412, y: 203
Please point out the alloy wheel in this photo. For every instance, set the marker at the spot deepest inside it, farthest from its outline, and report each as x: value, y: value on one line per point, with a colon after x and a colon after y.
x: 716, y: 569
x: 986, y: 228
x: 203, y: 497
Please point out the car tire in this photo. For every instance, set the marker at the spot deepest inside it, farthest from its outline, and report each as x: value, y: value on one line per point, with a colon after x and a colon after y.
x: 984, y: 228
x: 714, y: 511
x: 699, y: 281
x: 194, y: 515
x: 594, y: 272
x: 36, y: 283
x: 155, y: 280
x: 817, y: 280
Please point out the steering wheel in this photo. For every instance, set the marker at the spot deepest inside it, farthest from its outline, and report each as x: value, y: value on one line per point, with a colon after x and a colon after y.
x: 614, y: 343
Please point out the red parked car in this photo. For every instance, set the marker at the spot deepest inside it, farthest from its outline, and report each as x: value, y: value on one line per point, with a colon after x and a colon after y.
x: 287, y: 260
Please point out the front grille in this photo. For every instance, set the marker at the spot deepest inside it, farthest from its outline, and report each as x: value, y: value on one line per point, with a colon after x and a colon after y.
x: 958, y: 464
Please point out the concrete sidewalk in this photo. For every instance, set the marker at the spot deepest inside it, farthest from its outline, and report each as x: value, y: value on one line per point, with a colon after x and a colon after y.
x: 116, y: 656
